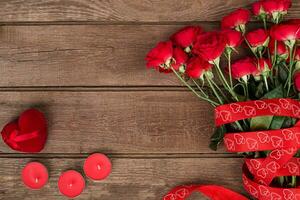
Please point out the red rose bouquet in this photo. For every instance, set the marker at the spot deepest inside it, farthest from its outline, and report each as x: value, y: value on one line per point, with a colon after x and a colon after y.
x: 256, y: 98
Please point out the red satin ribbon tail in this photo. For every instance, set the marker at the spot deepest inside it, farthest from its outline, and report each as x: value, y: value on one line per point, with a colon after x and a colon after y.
x: 220, y: 193
x: 213, y: 192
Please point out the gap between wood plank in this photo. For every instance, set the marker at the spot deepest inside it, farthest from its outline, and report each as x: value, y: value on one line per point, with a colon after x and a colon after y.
x: 123, y: 155
x: 93, y: 88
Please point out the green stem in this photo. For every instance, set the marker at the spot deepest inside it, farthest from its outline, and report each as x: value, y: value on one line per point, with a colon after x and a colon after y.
x: 230, y: 90
x: 213, y: 89
x: 200, y: 89
x: 294, y: 181
x: 246, y: 89
x: 266, y: 82
x: 250, y: 47
x: 219, y: 89
x: 265, y: 23
x: 290, y: 71
x: 186, y: 84
x: 229, y: 69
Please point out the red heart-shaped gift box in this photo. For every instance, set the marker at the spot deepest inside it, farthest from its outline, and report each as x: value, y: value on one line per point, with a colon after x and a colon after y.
x: 28, y: 133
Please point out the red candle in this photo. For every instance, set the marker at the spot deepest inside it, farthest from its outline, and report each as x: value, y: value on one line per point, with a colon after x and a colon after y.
x: 35, y: 175
x: 97, y: 166
x: 71, y: 183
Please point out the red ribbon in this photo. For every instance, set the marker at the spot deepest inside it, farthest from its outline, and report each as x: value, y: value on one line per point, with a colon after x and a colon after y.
x: 283, y: 144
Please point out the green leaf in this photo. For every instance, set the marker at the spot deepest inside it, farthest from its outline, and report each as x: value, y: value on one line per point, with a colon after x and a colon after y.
x: 217, y: 137
x: 265, y: 122
x: 275, y: 93
x: 277, y: 122
x: 260, y: 123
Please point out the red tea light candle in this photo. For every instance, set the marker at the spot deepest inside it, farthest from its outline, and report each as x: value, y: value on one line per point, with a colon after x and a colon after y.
x: 97, y: 166
x: 71, y: 183
x: 35, y: 175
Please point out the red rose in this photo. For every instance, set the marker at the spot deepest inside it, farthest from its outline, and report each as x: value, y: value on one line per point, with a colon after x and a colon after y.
x: 186, y: 36
x: 210, y: 45
x: 180, y: 58
x: 284, y: 32
x: 233, y: 38
x: 258, y: 38
x: 236, y: 18
x: 257, y: 8
x: 263, y: 66
x: 281, y: 50
x: 297, y: 54
x: 297, y: 80
x: 160, y: 56
x: 272, y: 6
x: 196, y: 67
x: 243, y: 67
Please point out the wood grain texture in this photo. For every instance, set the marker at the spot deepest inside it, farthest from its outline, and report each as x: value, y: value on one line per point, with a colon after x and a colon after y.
x: 85, y: 55
x: 134, y: 179
x: 117, y: 122
x: 82, y: 55
x: 122, y: 10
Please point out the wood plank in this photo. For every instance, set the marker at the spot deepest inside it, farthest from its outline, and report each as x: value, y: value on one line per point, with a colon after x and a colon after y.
x: 122, y: 11
x: 117, y: 122
x: 135, y: 179
x: 82, y: 55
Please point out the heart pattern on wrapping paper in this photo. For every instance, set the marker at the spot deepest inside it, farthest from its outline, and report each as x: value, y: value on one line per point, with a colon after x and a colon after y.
x: 264, y: 190
x: 236, y: 108
x: 285, y: 104
x: 170, y: 197
x: 275, y: 196
x: 288, y: 194
x: 255, y: 164
x: 28, y: 133
x: 263, y: 137
x: 229, y: 144
x: 262, y: 173
x: 252, y: 143
x: 239, y: 139
x: 273, y: 166
x: 253, y: 191
x: 274, y: 108
x: 182, y: 193
x: 225, y: 115
x: 277, y: 142
x: 288, y: 134
x: 293, y: 168
x: 295, y: 110
x: 260, y: 104
x: 276, y: 154
x: 249, y: 110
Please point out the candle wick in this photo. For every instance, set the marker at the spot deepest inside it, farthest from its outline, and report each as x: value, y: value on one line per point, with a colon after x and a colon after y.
x: 98, y: 167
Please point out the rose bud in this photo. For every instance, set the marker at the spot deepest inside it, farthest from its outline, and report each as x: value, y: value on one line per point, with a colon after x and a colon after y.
x: 210, y: 46
x: 236, y: 20
x: 258, y: 38
x: 196, y: 67
x: 242, y: 69
x: 297, y: 80
x: 263, y: 67
x: 186, y: 37
x: 233, y: 38
x: 258, y: 9
x: 282, y: 51
x: 276, y: 8
x: 180, y: 58
x: 288, y: 33
x: 160, y: 57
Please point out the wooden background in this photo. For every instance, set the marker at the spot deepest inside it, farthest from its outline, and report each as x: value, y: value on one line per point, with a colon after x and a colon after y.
x: 82, y: 63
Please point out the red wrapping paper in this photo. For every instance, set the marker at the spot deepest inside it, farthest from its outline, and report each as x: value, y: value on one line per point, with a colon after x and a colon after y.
x: 259, y: 173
